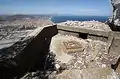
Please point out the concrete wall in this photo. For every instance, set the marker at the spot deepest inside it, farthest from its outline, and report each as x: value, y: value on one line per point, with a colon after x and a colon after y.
x: 31, y: 57
x: 111, y: 37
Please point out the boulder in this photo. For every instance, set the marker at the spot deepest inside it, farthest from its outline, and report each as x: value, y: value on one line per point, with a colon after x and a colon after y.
x: 114, y: 21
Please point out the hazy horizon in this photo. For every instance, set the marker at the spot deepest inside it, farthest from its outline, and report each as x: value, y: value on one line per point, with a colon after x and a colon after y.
x: 56, y: 7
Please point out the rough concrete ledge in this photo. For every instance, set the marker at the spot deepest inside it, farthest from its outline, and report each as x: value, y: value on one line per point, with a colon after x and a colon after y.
x: 114, y: 34
x: 39, y: 29
x: 83, y: 30
x: 88, y: 31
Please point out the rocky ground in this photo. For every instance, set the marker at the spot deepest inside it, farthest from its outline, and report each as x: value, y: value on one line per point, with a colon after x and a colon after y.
x: 76, y: 58
x: 86, y: 59
x: 70, y: 57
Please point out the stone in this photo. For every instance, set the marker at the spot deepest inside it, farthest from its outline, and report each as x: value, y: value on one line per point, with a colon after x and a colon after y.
x: 57, y: 66
x: 114, y: 21
x: 93, y: 73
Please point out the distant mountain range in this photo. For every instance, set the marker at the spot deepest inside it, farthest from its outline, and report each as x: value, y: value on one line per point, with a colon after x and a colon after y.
x: 20, y: 17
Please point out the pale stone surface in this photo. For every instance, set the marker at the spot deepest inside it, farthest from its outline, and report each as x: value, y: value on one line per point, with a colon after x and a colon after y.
x: 118, y: 69
x: 97, y: 73
x: 94, y: 53
x: 115, y: 47
x: 94, y: 25
x: 92, y: 63
x: 58, y: 48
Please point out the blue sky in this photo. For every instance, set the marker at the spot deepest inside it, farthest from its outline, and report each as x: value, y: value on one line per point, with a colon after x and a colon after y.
x: 59, y: 7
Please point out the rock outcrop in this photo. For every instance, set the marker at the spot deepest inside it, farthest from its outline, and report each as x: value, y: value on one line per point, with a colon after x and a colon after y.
x: 114, y: 21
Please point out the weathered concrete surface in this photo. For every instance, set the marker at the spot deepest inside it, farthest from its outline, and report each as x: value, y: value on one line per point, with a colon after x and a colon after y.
x: 92, y: 63
x: 118, y: 69
x: 114, y: 51
x: 84, y: 33
x: 89, y: 53
x: 72, y: 46
x: 29, y: 57
x: 116, y: 66
x: 83, y: 30
x: 111, y: 38
x: 94, y: 25
x: 68, y: 33
x: 58, y: 48
x: 91, y: 34
x: 95, y: 37
x: 78, y: 30
x: 94, y: 73
x: 115, y: 47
